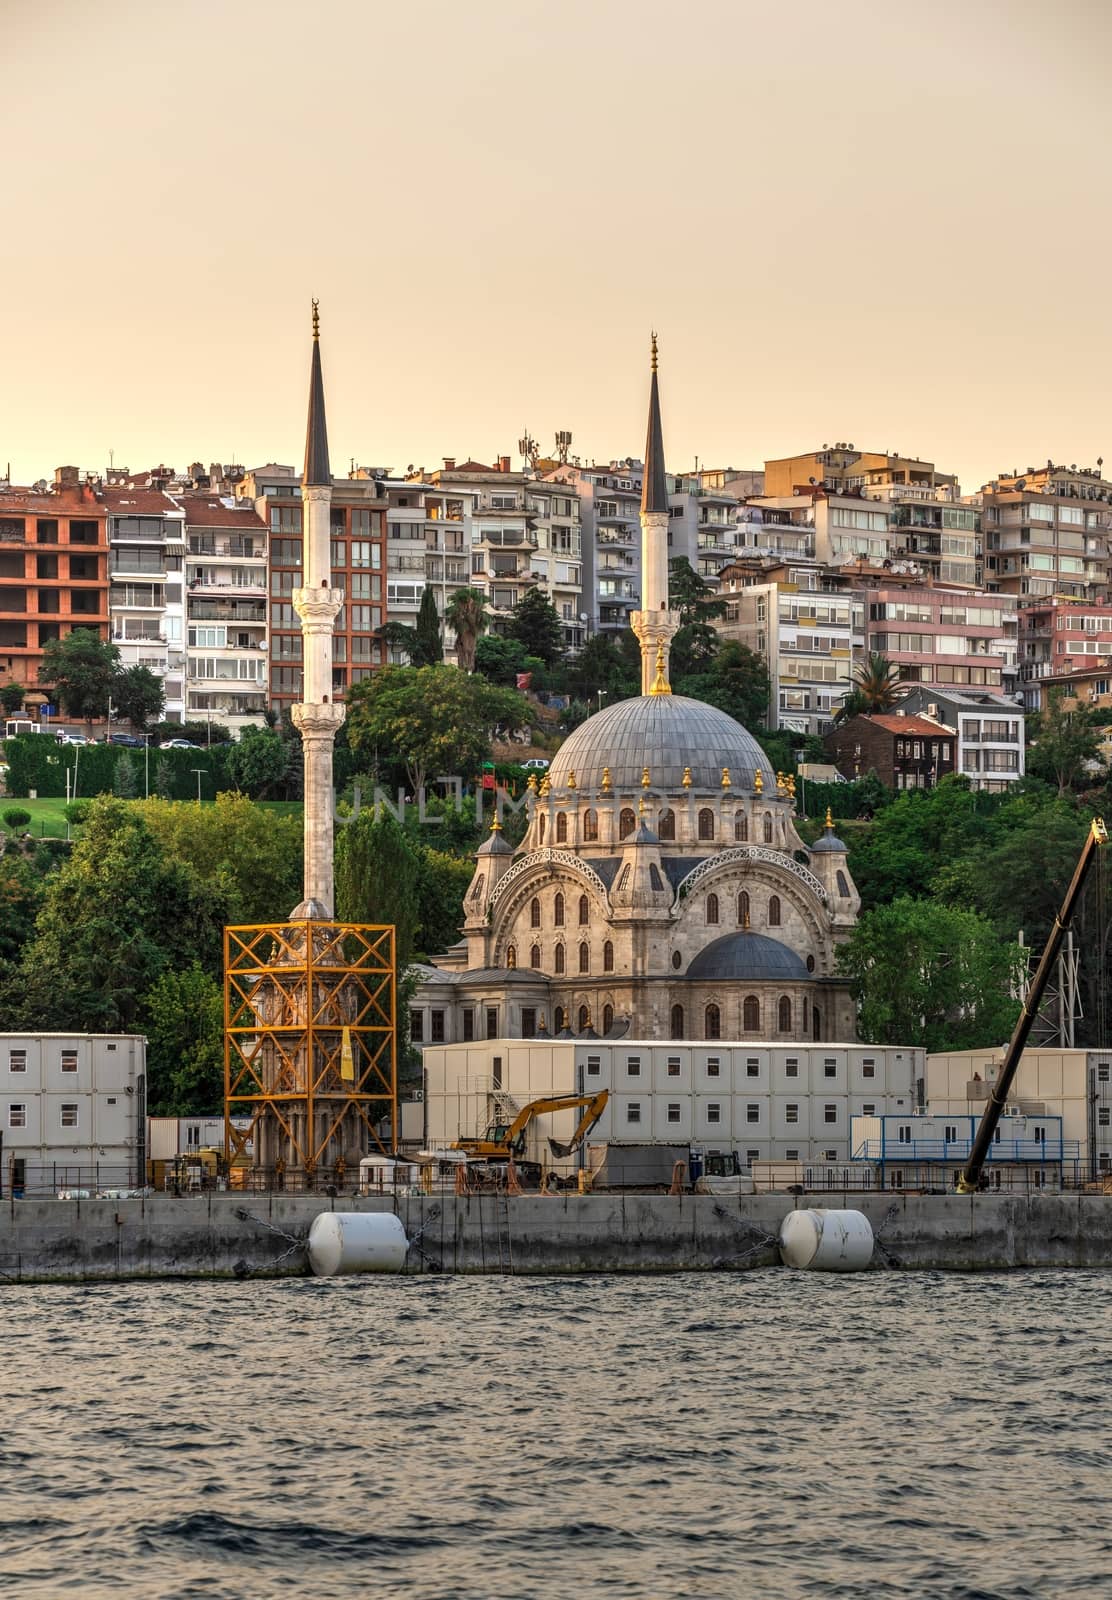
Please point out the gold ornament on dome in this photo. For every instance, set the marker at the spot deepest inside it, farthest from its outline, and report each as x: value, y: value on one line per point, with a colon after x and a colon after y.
x: 532, y: 784
x: 646, y: 781
x: 758, y: 781
x: 781, y: 783
x: 495, y: 824
x: 660, y: 682
x: 545, y: 787
x: 606, y: 780
x: 726, y: 781
x: 641, y: 808
x: 830, y: 819
x: 571, y: 779
x: 688, y: 780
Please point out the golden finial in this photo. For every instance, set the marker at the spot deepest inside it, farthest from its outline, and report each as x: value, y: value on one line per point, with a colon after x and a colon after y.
x: 646, y: 781
x: 654, y: 350
x: 511, y: 958
x: 495, y: 825
x: 642, y: 808
x: 606, y: 780
x: 758, y: 781
x: 790, y: 781
x: 542, y: 1025
x: 780, y: 783
x: 316, y: 319
x: 545, y: 787
x: 726, y: 778
x: 829, y: 819
x: 571, y: 779
x: 688, y: 780
x: 660, y: 682
x: 532, y: 784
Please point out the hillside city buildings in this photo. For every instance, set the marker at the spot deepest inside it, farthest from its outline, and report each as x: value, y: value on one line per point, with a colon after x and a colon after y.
x: 821, y: 558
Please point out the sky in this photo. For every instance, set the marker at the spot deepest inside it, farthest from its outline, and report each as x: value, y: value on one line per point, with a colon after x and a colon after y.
x: 853, y: 221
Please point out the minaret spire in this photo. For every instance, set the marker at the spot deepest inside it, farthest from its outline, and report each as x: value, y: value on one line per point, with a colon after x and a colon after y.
x: 654, y: 624
x: 318, y: 716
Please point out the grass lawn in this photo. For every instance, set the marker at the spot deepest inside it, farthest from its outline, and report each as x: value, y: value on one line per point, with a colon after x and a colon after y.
x: 48, y: 818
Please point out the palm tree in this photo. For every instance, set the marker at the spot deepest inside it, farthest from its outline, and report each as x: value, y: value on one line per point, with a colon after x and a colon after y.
x: 877, y: 681
x: 466, y: 615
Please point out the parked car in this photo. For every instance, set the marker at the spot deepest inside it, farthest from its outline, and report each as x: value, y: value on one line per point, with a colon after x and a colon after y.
x: 71, y: 738
x: 536, y: 764
x: 127, y: 739
x: 179, y: 744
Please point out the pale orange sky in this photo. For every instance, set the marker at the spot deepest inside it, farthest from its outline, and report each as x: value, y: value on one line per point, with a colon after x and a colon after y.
x: 886, y: 223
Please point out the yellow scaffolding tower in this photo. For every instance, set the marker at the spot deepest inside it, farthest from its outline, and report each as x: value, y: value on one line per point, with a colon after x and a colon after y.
x: 310, y: 1048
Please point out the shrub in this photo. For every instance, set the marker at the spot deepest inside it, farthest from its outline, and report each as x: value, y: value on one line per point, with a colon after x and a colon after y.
x: 15, y: 817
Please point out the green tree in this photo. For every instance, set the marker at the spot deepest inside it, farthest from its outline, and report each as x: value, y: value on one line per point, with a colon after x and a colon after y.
x: 876, y: 688
x: 442, y: 886
x: 82, y: 671
x: 466, y: 615
x: 933, y: 976
x: 257, y: 764
x: 124, y: 781
x: 401, y: 637
x: 183, y: 1018
x: 500, y: 659
x: 429, y: 651
x: 436, y: 720
x: 690, y: 595
x: 377, y: 873
x: 736, y: 682
x: 138, y: 695
x: 693, y: 652
x: 536, y: 627
x: 116, y: 915
x: 15, y: 818
x: 11, y: 698
x: 164, y: 778
x: 1063, y: 744
x: 249, y: 857
x: 602, y: 664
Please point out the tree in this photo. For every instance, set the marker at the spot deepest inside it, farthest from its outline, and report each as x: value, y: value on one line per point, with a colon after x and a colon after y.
x: 164, y: 778
x: 536, y: 627
x: 500, y: 659
x: 377, y: 873
x: 603, y: 664
x: 443, y: 883
x: 82, y: 670
x: 15, y: 817
x: 138, y: 695
x: 1063, y: 743
x: 11, y: 698
x: 250, y: 857
x: 183, y: 1014
x: 466, y: 615
x: 876, y: 687
x: 116, y: 915
x: 257, y: 764
x: 690, y: 595
x: 400, y: 636
x: 124, y: 782
x: 429, y: 651
x: 736, y: 682
x: 436, y: 720
x: 933, y: 976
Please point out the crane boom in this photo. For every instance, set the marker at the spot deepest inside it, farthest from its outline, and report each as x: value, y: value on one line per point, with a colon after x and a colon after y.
x: 970, y: 1176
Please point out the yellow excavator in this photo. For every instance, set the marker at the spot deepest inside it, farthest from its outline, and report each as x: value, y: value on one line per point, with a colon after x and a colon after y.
x: 505, y: 1140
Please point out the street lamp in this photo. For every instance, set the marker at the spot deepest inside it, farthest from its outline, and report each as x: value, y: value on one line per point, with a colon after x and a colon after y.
x: 146, y: 766
x: 198, y: 771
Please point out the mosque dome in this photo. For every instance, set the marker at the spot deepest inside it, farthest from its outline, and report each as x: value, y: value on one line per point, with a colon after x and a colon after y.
x: 750, y: 957
x: 666, y: 733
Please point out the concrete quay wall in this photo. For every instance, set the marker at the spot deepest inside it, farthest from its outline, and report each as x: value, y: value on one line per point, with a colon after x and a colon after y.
x: 228, y: 1235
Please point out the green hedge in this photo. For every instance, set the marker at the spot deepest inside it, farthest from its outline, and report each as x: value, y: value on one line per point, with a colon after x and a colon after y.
x: 36, y: 761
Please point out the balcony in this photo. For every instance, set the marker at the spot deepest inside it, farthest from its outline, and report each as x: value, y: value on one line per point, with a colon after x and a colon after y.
x: 228, y: 549
x: 227, y: 611
x: 138, y: 566
x: 212, y: 586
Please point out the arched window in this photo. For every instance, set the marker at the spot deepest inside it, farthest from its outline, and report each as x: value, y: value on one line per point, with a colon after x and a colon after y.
x: 712, y: 908
x: 535, y: 956
x: 743, y: 909
x: 784, y: 1014
x: 666, y: 828
x: 542, y: 822
x: 767, y: 825
x: 584, y: 911
x: 560, y: 1019
x: 712, y: 1023
x: 590, y: 826
x: 706, y: 823
x: 562, y: 828
x: 584, y: 958
x: 843, y: 886
x: 741, y: 828
x: 480, y: 884
x: 608, y: 957
x: 558, y: 910
x: 623, y: 876
x: 511, y: 956
x: 626, y: 823
x: 559, y: 958
x: 583, y: 1016
x: 774, y: 910
x: 534, y: 913
x: 607, y: 1018
x: 751, y: 1014
x: 677, y: 1022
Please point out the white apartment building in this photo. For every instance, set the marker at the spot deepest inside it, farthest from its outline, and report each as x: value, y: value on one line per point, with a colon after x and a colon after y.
x: 702, y: 525
x: 557, y: 563
x: 785, y: 1102
x: 609, y: 499
x: 146, y: 560
x: 72, y: 1111
x: 225, y: 618
x: 990, y: 733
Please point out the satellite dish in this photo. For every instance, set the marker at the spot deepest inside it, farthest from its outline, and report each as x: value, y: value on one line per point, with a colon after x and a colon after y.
x: 1021, y: 484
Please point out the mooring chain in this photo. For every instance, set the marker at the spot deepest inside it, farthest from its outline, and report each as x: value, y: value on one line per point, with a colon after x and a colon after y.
x: 889, y: 1259
x: 415, y: 1243
x: 763, y: 1243
x: 295, y: 1242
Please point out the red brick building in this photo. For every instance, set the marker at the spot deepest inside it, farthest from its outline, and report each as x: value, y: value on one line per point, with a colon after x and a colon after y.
x: 905, y: 752
x: 53, y: 572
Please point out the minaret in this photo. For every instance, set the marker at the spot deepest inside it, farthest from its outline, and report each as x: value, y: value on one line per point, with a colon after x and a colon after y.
x: 654, y: 625
x: 318, y: 717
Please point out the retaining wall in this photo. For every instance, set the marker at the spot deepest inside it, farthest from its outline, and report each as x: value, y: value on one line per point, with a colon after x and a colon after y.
x: 227, y: 1235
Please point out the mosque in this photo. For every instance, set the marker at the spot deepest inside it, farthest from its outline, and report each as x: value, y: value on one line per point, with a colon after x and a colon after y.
x: 661, y: 890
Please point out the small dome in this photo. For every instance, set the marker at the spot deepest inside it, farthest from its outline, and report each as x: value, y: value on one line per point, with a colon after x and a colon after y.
x: 666, y: 733
x: 829, y: 842
x: 749, y: 956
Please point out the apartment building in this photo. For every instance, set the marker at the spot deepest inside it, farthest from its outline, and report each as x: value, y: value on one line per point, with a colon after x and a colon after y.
x: 808, y: 634
x: 905, y: 751
x: 358, y: 567
x: 558, y: 558
x: 775, y: 531
x: 943, y: 538
x: 146, y: 565
x: 1060, y: 636
x: 53, y: 571
x: 989, y: 730
x: 609, y: 499
x: 1046, y: 532
x: 840, y: 527
x: 843, y: 469
x: 702, y: 525
x: 225, y: 610
x: 961, y: 638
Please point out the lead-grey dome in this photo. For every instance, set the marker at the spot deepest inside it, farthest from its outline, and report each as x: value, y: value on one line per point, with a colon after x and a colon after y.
x: 666, y: 733
x: 748, y: 956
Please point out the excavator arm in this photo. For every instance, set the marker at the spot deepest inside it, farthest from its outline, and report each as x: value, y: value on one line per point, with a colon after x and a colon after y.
x: 596, y: 1105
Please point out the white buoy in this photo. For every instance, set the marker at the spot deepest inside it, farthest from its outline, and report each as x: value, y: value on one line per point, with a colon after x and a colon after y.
x: 356, y: 1241
x: 826, y: 1241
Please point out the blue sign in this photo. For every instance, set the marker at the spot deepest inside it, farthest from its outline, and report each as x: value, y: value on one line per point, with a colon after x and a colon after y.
x: 48, y: 711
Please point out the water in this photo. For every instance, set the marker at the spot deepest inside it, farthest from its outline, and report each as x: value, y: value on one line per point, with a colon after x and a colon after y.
x: 771, y: 1434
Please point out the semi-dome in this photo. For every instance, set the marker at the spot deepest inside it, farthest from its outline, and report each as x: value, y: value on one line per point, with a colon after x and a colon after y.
x: 666, y: 733
x: 750, y: 957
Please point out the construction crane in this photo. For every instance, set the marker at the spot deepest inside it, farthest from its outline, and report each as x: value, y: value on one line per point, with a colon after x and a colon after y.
x: 969, y: 1179
x: 505, y: 1140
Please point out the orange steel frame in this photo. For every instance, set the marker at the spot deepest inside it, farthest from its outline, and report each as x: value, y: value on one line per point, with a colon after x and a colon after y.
x: 292, y: 1060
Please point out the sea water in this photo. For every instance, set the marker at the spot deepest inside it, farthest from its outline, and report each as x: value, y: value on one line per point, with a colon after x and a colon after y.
x: 767, y: 1434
